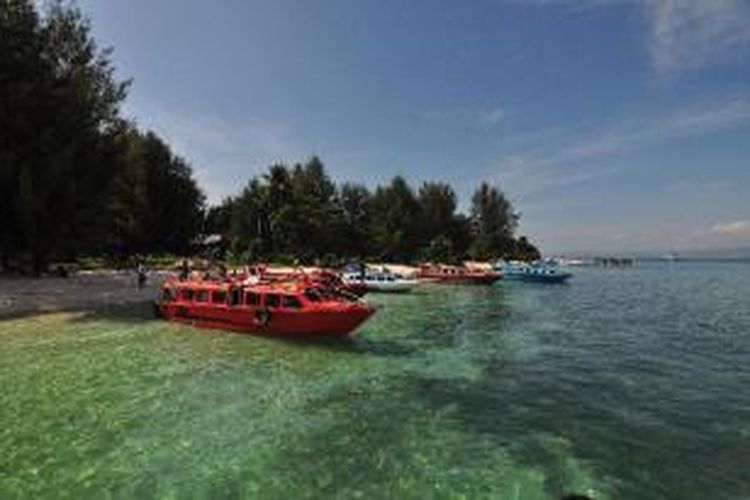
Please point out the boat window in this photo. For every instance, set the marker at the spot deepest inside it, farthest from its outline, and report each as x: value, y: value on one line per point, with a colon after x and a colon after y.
x: 251, y: 299
x: 312, y: 295
x: 201, y: 296
x: 290, y: 302
x: 166, y: 295
x: 235, y: 297
x: 219, y: 297
x: 272, y: 300
x: 187, y: 294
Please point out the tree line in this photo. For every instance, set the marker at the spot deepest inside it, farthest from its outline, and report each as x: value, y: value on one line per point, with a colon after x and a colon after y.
x: 298, y: 213
x: 76, y: 178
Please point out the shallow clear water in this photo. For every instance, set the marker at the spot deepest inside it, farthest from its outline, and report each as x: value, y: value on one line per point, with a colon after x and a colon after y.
x: 623, y: 384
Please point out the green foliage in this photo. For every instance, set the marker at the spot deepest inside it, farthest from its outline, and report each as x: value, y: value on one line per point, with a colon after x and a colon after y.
x: 356, y: 204
x: 494, y: 223
x: 300, y: 214
x: 437, y: 203
x: 156, y: 205
x: 395, y: 221
x: 67, y: 169
x: 524, y: 250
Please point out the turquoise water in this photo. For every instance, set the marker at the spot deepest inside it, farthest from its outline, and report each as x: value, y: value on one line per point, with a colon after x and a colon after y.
x: 623, y: 384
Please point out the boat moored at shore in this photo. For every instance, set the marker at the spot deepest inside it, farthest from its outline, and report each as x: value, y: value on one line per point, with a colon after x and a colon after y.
x: 440, y: 273
x: 379, y: 281
x: 537, y: 272
x: 293, y: 308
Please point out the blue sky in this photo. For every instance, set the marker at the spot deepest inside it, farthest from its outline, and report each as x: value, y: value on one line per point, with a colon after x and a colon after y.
x: 613, y: 125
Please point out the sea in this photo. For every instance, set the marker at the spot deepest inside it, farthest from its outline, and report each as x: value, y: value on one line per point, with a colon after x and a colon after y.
x: 625, y: 383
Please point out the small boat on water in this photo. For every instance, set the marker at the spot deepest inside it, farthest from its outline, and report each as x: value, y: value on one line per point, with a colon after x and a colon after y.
x: 379, y: 281
x: 299, y: 308
x: 537, y: 272
x: 671, y: 257
x: 440, y: 273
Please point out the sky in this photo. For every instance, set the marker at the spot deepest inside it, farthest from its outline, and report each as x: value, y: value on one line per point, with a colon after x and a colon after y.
x: 612, y: 125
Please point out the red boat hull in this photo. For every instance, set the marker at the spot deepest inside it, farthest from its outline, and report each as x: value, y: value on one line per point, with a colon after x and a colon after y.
x: 340, y: 321
x: 458, y: 276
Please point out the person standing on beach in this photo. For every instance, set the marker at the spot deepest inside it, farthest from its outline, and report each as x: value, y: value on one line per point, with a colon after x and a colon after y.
x: 185, y: 270
x: 142, y: 276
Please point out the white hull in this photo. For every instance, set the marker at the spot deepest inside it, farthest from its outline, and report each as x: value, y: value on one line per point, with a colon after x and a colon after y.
x: 380, y: 283
x: 389, y: 286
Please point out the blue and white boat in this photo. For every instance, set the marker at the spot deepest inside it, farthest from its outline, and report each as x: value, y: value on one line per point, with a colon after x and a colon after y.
x: 537, y: 272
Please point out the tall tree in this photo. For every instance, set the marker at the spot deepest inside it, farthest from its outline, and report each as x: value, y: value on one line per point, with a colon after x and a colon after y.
x: 494, y: 222
x: 320, y: 218
x: 437, y: 203
x: 22, y: 72
x: 248, y: 223
x: 525, y: 250
x: 155, y: 204
x: 60, y: 103
x: 395, y: 220
x: 282, y: 213
x: 356, y: 203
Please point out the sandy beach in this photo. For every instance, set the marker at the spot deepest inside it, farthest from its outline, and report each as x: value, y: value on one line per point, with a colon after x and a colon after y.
x: 79, y: 292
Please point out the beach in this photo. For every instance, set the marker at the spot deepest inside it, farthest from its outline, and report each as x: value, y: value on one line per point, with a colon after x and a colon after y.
x: 93, y: 290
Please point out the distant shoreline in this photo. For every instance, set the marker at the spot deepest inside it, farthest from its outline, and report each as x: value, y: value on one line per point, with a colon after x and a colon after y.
x: 715, y: 260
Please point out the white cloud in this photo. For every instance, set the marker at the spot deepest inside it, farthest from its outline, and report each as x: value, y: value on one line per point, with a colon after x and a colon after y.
x: 494, y: 115
x: 641, y: 132
x: 587, y: 153
x: 691, y: 33
x: 740, y: 227
x: 682, y: 34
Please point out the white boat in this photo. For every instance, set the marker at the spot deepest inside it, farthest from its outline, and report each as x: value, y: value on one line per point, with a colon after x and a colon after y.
x: 671, y: 257
x: 379, y: 281
x: 537, y: 272
x: 574, y: 262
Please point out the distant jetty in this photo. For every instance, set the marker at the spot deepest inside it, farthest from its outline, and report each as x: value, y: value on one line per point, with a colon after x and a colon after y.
x: 606, y: 261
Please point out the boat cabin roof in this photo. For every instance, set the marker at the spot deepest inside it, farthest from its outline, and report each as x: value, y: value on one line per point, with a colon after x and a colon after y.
x: 311, y: 291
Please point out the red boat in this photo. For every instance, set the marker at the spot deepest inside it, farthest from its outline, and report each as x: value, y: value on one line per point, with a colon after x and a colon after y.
x: 324, y: 278
x: 457, y: 275
x: 294, y: 308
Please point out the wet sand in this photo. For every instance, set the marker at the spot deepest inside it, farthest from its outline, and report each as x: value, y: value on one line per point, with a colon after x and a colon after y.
x: 79, y: 292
